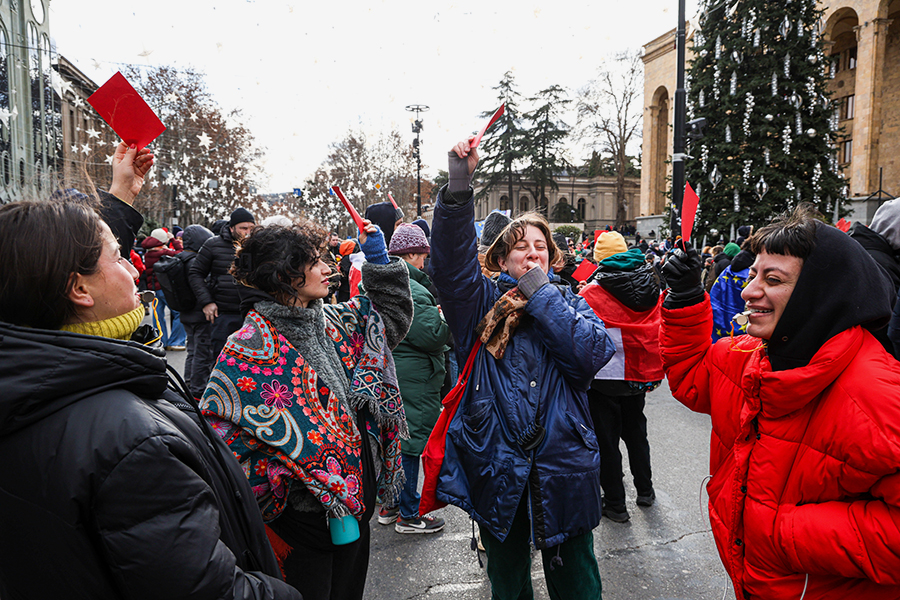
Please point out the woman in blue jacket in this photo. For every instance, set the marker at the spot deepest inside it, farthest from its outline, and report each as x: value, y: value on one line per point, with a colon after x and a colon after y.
x: 521, y: 457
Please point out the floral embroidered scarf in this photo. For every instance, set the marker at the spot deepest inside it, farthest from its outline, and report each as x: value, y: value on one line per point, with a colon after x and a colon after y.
x: 283, y: 424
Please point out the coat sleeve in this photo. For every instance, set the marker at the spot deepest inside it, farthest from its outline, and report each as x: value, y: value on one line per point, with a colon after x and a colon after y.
x: 685, y: 339
x: 859, y: 539
x: 387, y: 286
x: 572, y: 333
x: 428, y: 332
x: 122, y: 218
x: 161, y: 534
x: 197, y: 274
x: 465, y: 294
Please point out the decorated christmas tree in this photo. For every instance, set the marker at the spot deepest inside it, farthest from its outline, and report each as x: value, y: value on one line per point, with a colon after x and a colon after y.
x: 759, y: 78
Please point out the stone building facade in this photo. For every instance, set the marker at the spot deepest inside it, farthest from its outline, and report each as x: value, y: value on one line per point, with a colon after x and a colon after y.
x: 862, y: 38
x: 591, y: 201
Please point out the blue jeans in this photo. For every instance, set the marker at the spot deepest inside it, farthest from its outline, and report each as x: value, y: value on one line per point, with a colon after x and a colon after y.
x: 409, y: 495
x: 178, y: 336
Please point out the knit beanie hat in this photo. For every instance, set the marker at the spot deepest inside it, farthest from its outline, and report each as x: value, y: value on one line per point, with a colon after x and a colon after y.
x: 887, y: 222
x: 609, y: 243
x: 423, y: 225
x: 161, y: 235
x: 347, y: 247
x: 494, y: 225
x: 408, y: 239
x: 240, y: 215
x: 731, y: 249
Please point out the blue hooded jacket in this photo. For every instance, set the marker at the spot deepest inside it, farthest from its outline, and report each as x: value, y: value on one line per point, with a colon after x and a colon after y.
x: 543, y: 377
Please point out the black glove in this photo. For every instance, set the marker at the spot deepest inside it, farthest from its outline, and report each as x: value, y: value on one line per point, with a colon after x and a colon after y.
x: 682, y: 272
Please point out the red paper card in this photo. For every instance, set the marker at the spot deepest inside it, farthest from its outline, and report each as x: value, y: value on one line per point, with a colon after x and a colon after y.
x: 355, y: 215
x: 126, y: 112
x: 391, y: 198
x: 473, y: 142
x: 843, y: 224
x: 584, y: 270
x: 598, y: 233
x: 688, y: 211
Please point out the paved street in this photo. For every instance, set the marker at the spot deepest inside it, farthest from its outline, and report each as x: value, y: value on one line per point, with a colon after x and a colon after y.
x: 665, y: 552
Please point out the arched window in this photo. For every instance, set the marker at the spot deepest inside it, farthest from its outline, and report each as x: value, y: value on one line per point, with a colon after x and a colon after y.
x: 582, y: 209
x: 523, y: 204
x: 504, y: 202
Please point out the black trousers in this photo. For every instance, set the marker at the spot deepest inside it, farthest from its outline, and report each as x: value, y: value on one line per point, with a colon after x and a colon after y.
x: 200, y: 357
x: 615, y: 418
x: 316, y: 567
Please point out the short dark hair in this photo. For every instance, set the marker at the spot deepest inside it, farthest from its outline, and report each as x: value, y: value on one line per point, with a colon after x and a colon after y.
x: 791, y: 233
x: 514, y: 232
x: 43, y: 245
x: 272, y: 258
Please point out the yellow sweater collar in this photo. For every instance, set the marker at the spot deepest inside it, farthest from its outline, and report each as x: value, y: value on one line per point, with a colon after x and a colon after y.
x: 117, y: 328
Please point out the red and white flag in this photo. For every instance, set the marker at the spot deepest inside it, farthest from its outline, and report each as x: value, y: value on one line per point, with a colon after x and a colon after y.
x: 635, y: 334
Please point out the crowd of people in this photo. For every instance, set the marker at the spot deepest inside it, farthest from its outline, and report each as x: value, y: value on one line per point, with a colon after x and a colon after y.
x: 316, y: 368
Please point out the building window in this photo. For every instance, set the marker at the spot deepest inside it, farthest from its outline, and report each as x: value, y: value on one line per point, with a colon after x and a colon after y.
x: 846, y: 151
x: 523, y: 204
x: 851, y: 58
x: 504, y: 202
x: 582, y: 209
x: 848, y: 107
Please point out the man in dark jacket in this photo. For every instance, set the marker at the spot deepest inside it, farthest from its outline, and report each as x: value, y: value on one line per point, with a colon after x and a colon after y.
x: 200, y: 354
x: 211, y: 280
x: 625, y: 294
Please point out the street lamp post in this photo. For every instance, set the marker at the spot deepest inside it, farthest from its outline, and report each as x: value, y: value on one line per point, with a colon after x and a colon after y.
x: 678, y: 155
x: 417, y: 150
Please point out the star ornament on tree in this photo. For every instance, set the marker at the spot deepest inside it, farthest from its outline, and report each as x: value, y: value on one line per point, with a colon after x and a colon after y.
x: 205, y: 140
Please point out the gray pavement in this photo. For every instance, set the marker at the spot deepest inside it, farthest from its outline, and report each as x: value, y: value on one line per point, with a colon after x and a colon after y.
x: 665, y: 552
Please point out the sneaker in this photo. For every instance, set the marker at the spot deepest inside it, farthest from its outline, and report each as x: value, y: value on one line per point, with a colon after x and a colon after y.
x: 419, y: 525
x: 386, y: 515
x: 616, y: 514
x: 646, y: 500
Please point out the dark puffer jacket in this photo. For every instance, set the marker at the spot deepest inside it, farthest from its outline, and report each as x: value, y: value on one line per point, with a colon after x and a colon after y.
x: 109, y: 491
x: 214, y: 261
x: 194, y: 237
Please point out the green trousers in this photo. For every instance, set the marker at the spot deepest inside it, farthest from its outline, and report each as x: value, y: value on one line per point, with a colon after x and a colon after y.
x: 509, y: 564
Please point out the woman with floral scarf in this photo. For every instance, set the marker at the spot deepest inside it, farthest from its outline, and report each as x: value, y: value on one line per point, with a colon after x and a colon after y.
x: 305, y: 394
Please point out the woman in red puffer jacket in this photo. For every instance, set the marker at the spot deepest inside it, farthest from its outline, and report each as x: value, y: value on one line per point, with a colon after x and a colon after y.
x: 804, y: 494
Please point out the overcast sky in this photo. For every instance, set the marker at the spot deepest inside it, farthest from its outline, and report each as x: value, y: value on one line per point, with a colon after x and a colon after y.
x: 304, y: 72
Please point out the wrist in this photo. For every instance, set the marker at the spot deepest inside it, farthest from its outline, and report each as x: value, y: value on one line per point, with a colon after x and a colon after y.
x: 458, y: 173
x: 122, y: 193
x: 532, y: 281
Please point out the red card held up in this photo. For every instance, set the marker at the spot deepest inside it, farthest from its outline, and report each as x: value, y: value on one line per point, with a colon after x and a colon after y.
x: 473, y: 142
x: 688, y: 211
x: 843, y: 224
x: 391, y: 198
x: 126, y: 112
x: 353, y: 214
x: 584, y: 270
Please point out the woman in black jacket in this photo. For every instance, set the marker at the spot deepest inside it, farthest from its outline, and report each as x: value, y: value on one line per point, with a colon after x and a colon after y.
x: 112, y: 486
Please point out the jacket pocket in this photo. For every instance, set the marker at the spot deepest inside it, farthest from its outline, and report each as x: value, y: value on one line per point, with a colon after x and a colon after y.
x: 586, y: 433
x: 477, y: 424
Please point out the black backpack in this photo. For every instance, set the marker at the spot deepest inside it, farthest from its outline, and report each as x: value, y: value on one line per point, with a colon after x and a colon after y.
x: 172, y: 274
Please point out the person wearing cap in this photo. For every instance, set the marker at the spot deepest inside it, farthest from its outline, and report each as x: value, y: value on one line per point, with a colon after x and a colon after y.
x: 386, y: 217
x: 494, y: 225
x: 804, y: 491
x: 419, y: 360
x: 625, y: 293
x: 156, y: 245
x: 219, y: 298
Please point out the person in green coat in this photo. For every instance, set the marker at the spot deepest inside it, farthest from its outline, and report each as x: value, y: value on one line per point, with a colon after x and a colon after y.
x: 419, y: 360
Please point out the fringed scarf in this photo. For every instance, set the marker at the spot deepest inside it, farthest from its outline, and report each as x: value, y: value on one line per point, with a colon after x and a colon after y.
x: 497, y: 327
x: 283, y: 423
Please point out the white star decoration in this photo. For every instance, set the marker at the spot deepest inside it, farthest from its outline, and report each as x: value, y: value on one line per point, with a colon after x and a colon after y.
x: 85, y: 149
x: 92, y: 133
x: 172, y: 97
x: 109, y: 159
x: 186, y: 160
x: 205, y: 140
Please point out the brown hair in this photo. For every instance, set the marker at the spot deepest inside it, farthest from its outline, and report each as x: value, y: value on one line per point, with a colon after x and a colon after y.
x: 272, y: 258
x: 514, y: 232
x: 42, y: 245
